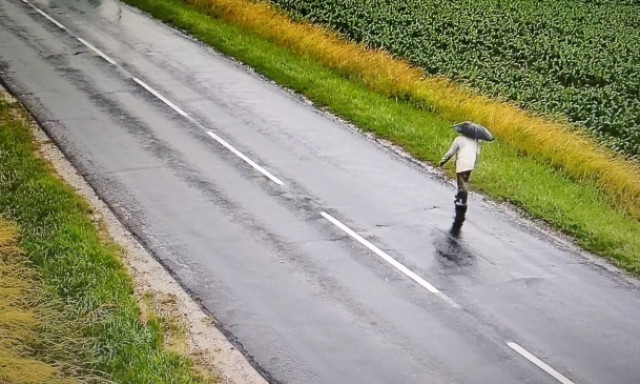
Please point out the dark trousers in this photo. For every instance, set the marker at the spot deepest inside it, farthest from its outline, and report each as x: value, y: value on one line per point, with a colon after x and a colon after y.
x: 463, y: 179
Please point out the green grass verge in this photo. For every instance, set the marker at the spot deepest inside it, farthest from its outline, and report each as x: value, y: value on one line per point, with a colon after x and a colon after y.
x: 77, y: 267
x: 579, y: 210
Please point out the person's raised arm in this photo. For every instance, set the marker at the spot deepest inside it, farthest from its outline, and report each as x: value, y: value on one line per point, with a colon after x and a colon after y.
x: 452, y: 151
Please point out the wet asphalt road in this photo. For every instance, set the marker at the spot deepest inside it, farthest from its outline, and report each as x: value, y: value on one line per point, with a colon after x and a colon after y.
x: 335, y: 262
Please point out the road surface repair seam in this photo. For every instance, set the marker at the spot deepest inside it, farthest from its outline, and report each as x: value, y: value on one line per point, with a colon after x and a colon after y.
x: 393, y: 262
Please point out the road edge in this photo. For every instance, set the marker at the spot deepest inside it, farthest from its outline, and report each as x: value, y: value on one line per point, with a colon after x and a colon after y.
x: 204, y: 340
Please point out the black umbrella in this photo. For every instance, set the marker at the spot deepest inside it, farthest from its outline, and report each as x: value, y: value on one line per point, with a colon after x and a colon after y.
x: 473, y: 130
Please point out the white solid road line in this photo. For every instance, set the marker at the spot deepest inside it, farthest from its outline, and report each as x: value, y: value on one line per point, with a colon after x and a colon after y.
x: 395, y: 263
x: 245, y: 158
x: 51, y: 19
x: 159, y: 96
x: 96, y: 50
x: 541, y: 364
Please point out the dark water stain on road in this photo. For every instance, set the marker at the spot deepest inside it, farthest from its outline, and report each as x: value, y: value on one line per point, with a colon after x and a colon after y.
x: 451, y: 250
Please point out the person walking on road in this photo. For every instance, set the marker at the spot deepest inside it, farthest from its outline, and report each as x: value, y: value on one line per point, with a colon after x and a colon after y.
x: 466, y: 151
x: 466, y: 148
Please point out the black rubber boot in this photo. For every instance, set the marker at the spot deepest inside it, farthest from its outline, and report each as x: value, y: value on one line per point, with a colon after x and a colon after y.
x: 461, y: 198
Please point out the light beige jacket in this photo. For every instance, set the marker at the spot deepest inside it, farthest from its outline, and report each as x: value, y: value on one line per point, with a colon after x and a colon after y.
x: 466, y: 151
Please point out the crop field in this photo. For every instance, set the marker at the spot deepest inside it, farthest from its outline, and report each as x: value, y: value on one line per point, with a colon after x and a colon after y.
x: 571, y: 59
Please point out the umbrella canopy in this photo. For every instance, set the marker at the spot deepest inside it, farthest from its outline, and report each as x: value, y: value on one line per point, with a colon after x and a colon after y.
x: 473, y: 130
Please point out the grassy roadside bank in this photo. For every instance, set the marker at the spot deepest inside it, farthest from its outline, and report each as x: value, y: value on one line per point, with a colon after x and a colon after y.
x: 594, y: 218
x: 101, y: 330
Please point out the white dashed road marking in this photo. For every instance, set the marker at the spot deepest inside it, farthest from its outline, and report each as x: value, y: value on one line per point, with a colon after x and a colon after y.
x: 159, y: 96
x: 51, y: 19
x: 96, y: 50
x: 541, y: 364
x: 245, y: 158
x: 396, y: 264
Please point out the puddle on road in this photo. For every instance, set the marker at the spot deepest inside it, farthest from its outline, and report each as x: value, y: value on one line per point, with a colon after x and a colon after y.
x: 451, y: 250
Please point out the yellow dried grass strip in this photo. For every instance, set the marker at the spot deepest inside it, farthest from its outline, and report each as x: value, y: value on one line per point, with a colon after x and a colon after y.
x: 18, y: 321
x: 19, y: 370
